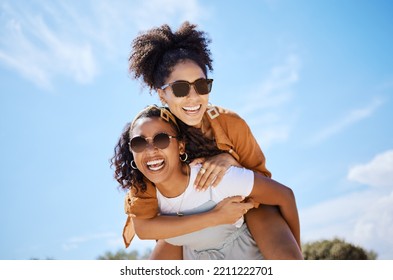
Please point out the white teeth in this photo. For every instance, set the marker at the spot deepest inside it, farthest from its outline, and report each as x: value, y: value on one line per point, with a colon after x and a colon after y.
x: 155, y: 165
x: 156, y: 168
x: 154, y: 162
x: 194, y: 108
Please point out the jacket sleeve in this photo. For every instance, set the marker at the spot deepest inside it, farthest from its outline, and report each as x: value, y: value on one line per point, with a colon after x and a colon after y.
x: 234, y: 135
x: 244, y: 143
x: 247, y: 147
x: 142, y: 205
x: 138, y: 205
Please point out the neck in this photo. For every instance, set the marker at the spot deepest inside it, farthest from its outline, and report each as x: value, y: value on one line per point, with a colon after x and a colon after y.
x: 205, y: 128
x: 181, y: 179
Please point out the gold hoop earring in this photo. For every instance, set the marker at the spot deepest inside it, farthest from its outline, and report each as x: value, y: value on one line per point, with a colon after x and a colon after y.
x: 133, y: 165
x: 184, y: 159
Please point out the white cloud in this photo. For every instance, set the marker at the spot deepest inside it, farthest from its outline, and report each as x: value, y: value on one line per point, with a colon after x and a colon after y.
x: 386, y: 85
x: 156, y: 12
x: 43, y: 41
x: 267, y: 107
x: 349, y: 119
x: 112, y: 241
x: 40, y: 49
x: 141, y: 245
x: 375, y: 226
x: 75, y: 242
x: 377, y: 173
x: 276, y: 89
x: 362, y: 217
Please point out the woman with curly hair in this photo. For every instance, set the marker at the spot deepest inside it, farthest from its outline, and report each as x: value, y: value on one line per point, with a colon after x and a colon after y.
x: 152, y: 148
x: 176, y: 65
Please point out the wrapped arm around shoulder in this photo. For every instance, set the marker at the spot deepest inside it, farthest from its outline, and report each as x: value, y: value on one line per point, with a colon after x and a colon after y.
x: 270, y: 192
x: 162, y: 227
x: 228, y: 211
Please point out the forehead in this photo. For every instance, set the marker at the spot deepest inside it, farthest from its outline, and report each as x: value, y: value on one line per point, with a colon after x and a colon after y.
x: 150, y: 126
x: 185, y: 70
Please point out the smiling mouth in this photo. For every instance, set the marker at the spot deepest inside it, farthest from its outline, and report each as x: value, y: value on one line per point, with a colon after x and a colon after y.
x: 155, y: 165
x: 192, y: 109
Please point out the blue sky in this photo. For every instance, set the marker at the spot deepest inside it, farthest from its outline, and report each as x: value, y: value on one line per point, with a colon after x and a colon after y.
x: 314, y: 80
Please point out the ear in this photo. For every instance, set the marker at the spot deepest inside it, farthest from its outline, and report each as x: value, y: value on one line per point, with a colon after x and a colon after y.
x: 182, y: 147
x: 161, y: 95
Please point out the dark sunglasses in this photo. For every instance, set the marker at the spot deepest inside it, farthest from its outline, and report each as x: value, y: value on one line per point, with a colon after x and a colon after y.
x: 161, y: 140
x: 182, y: 88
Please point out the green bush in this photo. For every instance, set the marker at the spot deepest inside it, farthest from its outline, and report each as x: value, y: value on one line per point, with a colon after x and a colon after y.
x: 123, y: 255
x: 336, y: 249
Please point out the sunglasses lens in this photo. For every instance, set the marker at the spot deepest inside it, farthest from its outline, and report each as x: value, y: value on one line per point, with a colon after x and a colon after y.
x: 203, y: 86
x: 138, y: 144
x: 161, y: 140
x: 180, y: 89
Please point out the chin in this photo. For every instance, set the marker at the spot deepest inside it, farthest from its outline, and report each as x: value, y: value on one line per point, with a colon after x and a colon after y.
x: 192, y: 121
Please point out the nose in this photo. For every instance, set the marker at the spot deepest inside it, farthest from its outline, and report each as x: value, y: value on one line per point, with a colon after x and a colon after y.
x: 150, y: 145
x: 193, y: 93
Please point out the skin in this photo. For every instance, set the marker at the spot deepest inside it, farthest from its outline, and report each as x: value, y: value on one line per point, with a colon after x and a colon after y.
x: 285, y: 244
x: 171, y: 180
x: 171, y: 177
x: 160, y: 174
x: 227, y: 211
x: 191, y: 109
x: 273, y: 237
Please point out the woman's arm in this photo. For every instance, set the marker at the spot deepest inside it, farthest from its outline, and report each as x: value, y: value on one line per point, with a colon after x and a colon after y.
x: 228, y: 211
x: 215, y: 167
x: 270, y: 192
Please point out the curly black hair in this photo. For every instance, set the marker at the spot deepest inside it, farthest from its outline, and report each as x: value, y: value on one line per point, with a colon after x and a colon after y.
x: 196, y: 146
x: 155, y: 52
x: 125, y: 175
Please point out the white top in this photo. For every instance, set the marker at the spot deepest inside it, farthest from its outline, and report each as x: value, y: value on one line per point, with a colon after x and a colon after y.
x: 236, y: 181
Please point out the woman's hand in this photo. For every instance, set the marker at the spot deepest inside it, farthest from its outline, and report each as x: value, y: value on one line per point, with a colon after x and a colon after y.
x: 231, y: 209
x: 213, y: 169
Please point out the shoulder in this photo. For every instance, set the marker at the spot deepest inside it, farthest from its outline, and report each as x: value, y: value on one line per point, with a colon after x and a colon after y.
x: 227, y: 116
x: 228, y: 120
x: 240, y: 172
x: 237, y: 181
x: 226, y: 112
x: 238, y: 176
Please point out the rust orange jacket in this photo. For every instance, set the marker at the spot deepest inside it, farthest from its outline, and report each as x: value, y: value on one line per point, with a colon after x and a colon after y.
x: 232, y: 134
